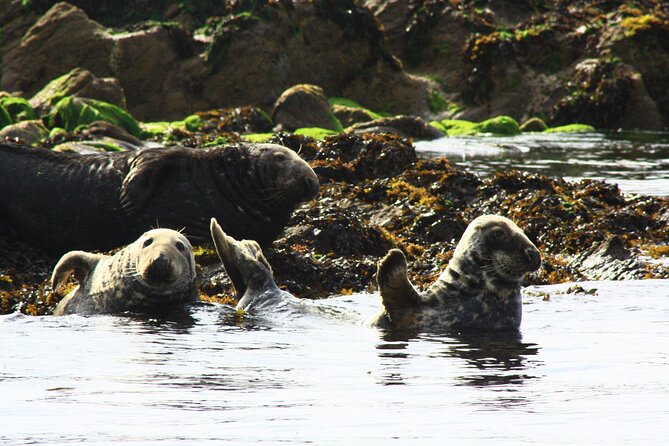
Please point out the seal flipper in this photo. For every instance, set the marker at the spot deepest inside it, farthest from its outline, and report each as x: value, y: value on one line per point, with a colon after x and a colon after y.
x: 397, y: 293
x: 243, y: 261
x: 148, y: 170
x: 80, y: 263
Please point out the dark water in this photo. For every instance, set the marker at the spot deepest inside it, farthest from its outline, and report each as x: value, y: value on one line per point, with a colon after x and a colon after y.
x: 587, y: 370
x: 637, y: 161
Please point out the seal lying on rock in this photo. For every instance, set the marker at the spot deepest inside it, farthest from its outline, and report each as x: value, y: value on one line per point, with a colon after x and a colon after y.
x: 479, y: 289
x: 65, y: 201
x: 154, y: 274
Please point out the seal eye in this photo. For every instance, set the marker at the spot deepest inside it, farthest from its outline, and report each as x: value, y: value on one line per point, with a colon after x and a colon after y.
x: 180, y: 246
x: 147, y: 242
x: 497, y: 234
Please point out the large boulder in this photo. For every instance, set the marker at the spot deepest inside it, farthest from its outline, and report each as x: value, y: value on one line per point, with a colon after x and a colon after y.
x: 81, y: 83
x: 62, y: 39
x: 303, y: 106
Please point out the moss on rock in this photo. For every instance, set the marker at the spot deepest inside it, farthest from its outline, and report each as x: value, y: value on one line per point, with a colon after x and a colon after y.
x: 18, y: 108
x: 571, y: 128
x: 73, y: 112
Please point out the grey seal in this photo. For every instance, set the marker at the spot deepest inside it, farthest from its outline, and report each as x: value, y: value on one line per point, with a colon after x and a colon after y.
x: 155, y: 274
x: 66, y: 201
x: 479, y: 289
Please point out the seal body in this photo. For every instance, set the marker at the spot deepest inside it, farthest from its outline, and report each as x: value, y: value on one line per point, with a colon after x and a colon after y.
x: 65, y: 201
x: 154, y: 274
x: 479, y: 289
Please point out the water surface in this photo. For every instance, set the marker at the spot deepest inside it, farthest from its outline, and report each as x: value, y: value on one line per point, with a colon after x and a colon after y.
x: 637, y: 161
x: 587, y: 370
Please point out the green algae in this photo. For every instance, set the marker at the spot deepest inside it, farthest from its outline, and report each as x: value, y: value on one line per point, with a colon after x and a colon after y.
x: 5, y: 117
x: 257, y: 137
x: 315, y: 132
x: 345, y: 102
x: 18, y: 108
x: 499, y: 126
x: 571, y: 128
x: 72, y: 112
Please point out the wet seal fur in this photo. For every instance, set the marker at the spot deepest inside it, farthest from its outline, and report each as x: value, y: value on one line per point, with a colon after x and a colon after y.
x: 155, y: 274
x: 66, y: 201
x: 250, y: 273
x: 480, y: 288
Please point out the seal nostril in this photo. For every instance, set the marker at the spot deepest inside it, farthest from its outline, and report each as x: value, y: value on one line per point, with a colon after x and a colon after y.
x: 533, y: 258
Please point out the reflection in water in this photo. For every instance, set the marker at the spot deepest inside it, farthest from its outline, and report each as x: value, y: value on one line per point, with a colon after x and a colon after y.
x: 491, y: 356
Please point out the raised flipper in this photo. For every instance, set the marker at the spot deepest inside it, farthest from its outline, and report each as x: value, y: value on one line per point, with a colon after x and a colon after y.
x: 397, y: 293
x: 243, y: 261
x: 80, y: 263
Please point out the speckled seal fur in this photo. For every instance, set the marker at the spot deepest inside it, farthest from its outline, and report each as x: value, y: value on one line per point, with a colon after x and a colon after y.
x: 154, y: 274
x: 480, y: 288
x: 250, y: 273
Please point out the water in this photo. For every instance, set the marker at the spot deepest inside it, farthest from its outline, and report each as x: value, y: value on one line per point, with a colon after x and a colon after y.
x: 588, y: 370
x: 638, y: 162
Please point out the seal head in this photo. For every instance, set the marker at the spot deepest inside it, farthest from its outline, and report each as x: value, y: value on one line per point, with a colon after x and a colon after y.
x: 480, y: 287
x: 153, y: 274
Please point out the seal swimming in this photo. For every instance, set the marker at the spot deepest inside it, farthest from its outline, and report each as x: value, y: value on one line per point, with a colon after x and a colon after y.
x: 250, y: 273
x: 479, y: 289
x: 65, y: 201
x: 154, y: 274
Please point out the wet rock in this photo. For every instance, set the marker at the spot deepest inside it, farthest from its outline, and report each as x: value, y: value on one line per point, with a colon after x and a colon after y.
x: 62, y: 39
x: 240, y: 119
x: 349, y: 157
x: 610, y: 260
x: 25, y: 132
x: 533, y: 125
x: 404, y: 126
x: 349, y: 116
x: 81, y: 83
x: 607, y: 94
x: 301, y: 106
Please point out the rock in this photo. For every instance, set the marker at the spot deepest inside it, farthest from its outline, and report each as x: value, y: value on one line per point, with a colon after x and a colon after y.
x: 303, y: 106
x: 81, y: 148
x: 81, y: 83
x: 533, y: 125
x: 160, y: 73
x: 106, y: 131
x: 610, y: 260
x: 607, y: 95
x: 62, y: 39
x: 349, y: 116
x: 337, y: 45
x: 404, y: 126
x: 25, y: 132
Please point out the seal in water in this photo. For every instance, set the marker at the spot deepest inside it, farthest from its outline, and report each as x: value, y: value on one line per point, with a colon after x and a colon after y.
x: 154, y: 274
x: 65, y: 201
x: 249, y: 271
x: 479, y: 289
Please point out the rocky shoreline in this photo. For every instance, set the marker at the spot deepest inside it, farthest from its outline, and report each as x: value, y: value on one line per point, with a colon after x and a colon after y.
x: 386, y: 74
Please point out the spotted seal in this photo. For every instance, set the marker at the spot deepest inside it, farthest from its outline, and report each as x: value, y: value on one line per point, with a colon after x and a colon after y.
x: 250, y: 273
x: 66, y: 201
x: 154, y: 274
x: 479, y: 289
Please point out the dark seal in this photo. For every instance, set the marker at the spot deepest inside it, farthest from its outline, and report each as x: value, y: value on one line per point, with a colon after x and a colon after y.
x: 65, y: 201
x: 155, y: 274
x: 480, y: 288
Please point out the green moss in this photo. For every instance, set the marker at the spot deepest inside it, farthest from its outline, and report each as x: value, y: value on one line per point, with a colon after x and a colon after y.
x: 634, y: 25
x: 500, y: 125
x: 56, y: 131
x: 436, y: 102
x: 18, y: 108
x: 344, y: 102
x: 571, y: 128
x: 73, y: 112
x: 107, y: 146
x: 257, y: 137
x: 220, y: 141
x: 5, y: 117
x: 193, y: 123
x: 315, y: 132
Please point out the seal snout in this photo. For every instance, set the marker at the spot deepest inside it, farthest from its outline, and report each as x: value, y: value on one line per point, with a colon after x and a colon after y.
x: 159, y: 269
x: 311, y: 187
x: 533, y: 258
